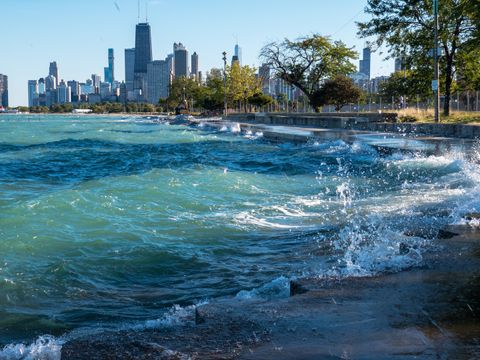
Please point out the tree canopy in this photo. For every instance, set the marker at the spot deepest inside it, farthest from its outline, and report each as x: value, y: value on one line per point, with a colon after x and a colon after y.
x: 407, y: 27
x: 309, y: 61
x: 338, y: 91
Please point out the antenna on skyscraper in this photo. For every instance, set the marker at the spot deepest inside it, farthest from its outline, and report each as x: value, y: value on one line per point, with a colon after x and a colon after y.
x: 138, y: 10
x: 146, y: 11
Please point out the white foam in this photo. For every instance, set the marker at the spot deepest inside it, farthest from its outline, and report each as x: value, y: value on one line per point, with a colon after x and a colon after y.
x: 277, y: 288
x: 44, y: 348
x: 245, y: 218
x: 176, y: 316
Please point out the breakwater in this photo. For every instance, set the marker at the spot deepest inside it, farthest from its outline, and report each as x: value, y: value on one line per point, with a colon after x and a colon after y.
x: 361, y: 122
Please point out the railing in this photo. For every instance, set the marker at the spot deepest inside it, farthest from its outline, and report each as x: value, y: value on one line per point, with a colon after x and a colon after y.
x: 467, y: 101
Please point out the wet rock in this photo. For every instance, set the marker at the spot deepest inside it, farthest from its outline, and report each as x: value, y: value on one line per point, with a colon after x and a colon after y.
x: 296, y: 288
x: 421, y: 233
x: 199, y: 318
x: 472, y: 216
x: 403, y: 249
x: 445, y: 234
x: 127, y: 349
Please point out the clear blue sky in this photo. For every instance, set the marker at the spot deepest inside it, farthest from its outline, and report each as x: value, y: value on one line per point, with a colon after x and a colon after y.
x: 77, y: 34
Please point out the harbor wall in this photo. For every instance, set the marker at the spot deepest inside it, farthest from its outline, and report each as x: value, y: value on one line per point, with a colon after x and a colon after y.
x: 361, y: 121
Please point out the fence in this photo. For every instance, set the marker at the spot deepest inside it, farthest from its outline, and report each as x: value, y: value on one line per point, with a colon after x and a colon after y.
x: 468, y: 101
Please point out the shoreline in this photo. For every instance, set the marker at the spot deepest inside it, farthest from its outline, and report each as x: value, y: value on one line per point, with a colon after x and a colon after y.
x: 428, y: 311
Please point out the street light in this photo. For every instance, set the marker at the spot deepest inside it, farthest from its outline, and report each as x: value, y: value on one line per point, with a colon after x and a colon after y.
x: 435, y: 83
x: 225, y: 108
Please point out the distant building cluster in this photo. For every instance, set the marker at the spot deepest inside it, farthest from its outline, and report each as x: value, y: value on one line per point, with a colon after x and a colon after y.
x: 50, y: 90
x: 363, y: 78
x: 276, y: 87
x: 146, y: 80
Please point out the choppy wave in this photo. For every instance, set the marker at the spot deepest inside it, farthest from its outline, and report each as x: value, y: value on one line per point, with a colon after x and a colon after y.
x: 186, y: 213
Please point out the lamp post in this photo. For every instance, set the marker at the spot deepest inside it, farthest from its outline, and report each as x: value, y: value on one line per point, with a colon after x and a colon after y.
x: 225, y: 108
x: 435, y: 83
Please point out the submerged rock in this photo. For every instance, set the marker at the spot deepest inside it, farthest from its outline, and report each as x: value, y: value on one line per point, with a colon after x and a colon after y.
x: 472, y: 216
x: 296, y: 288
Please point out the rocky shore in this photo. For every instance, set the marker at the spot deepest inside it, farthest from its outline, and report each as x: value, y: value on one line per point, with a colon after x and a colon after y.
x: 428, y: 312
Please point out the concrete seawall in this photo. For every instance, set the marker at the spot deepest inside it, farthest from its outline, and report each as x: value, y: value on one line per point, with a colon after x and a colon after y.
x: 364, y: 122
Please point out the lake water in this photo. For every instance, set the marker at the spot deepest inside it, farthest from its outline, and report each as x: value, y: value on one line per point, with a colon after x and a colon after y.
x: 124, y: 222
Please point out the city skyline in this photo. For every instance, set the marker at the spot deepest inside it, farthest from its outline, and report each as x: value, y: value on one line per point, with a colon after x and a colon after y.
x: 83, y: 53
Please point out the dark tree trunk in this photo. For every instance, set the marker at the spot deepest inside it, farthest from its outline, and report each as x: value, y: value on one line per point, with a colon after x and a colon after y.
x: 448, y: 85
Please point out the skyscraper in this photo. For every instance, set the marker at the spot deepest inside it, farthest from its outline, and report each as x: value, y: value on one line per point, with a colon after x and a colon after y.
x: 3, y: 91
x: 64, y: 93
x: 159, y: 80
x: 180, y: 54
x: 50, y: 83
x: 365, y: 64
x: 41, y: 86
x: 32, y: 92
x: 109, y: 71
x: 264, y: 74
x: 195, y: 66
x: 238, y: 54
x: 53, y: 71
x: 96, y: 79
x: 129, y: 68
x: 75, y: 89
x: 143, y: 55
x: 400, y: 64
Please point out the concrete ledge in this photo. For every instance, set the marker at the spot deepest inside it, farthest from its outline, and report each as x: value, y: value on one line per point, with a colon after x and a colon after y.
x: 361, y: 121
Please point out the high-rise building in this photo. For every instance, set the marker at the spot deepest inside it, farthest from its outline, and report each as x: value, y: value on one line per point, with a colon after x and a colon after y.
x: 235, y: 60
x: 53, y: 71
x: 170, y: 59
x: 64, y: 93
x: 159, y: 79
x: 400, y: 64
x: 143, y: 47
x: 129, y: 68
x: 180, y: 54
x: 41, y: 86
x: 96, y: 79
x: 32, y: 92
x: 111, y: 65
x: 75, y: 89
x: 365, y: 63
x: 105, y: 90
x: 265, y: 77
x: 3, y: 91
x: 143, y: 55
x: 109, y: 72
x: 50, y: 83
x: 238, y: 54
x: 195, y: 66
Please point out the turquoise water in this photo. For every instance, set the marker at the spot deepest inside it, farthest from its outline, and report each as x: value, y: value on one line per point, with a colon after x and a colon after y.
x: 107, y: 222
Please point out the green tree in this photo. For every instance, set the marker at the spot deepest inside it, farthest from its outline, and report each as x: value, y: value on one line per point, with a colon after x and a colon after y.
x: 338, y: 91
x: 183, y: 88
x: 468, y: 73
x: 242, y: 83
x: 408, y: 83
x: 407, y: 26
x: 215, y: 90
x: 260, y: 99
x: 23, y: 109
x: 307, y: 62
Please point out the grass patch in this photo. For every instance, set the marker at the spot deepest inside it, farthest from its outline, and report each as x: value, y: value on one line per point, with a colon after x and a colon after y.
x: 427, y: 116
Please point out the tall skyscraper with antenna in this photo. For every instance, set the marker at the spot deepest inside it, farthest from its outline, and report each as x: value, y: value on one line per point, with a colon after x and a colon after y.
x: 238, y: 54
x: 143, y: 55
